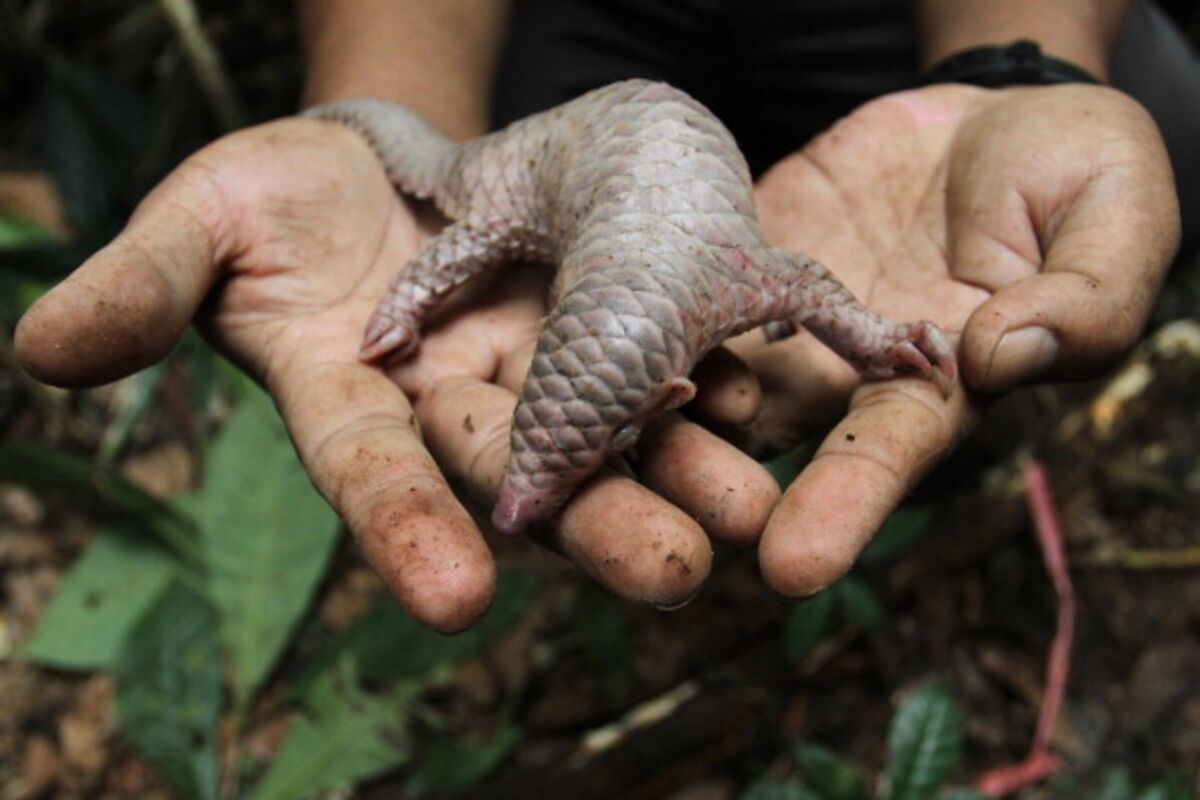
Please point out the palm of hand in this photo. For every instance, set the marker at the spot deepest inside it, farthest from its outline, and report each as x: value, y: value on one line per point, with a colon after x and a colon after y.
x: 868, y: 198
x: 310, y: 233
x: 280, y: 240
x: 1032, y: 225
x: 322, y: 235
x: 319, y: 235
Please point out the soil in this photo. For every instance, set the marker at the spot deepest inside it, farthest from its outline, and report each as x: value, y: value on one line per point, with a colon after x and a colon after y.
x: 971, y: 604
x: 699, y: 702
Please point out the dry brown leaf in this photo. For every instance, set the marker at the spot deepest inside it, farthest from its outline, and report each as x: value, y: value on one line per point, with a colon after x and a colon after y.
x: 85, y: 731
x: 32, y: 195
x: 164, y: 471
x: 40, y: 768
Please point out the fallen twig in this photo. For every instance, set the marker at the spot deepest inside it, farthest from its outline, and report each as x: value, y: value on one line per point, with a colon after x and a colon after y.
x: 1041, y: 760
x: 206, y: 63
x: 1137, y: 559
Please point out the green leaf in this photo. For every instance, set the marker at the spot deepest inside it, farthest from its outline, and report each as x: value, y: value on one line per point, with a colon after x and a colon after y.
x: 771, y: 790
x: 43, y: 469
x: 94, y: 131
x: 348, y: 736
x: 21, y: 232
x: 600, y: 625
x: 144, y: 385
x: 859, y: 603
x: 1118, y: 785
x: 806, y: 622
x: 267, y: 536
x: 1171, y: 787
x: 345, y: 729
x: 168, y: 677
x: 827, y: 774
x: 897, y: 536
x: 17, y: 293
x: 785, y: 467
x: 388, y: 642
x: 107, y: 590
x: 924, y: 744
x: 454, y: 763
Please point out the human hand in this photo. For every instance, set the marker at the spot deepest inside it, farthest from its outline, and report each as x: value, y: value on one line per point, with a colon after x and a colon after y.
x: 1033, y: 225
x: 283, y: 238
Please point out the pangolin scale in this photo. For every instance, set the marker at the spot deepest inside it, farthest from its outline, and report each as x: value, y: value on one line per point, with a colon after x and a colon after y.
x: 642, y: 198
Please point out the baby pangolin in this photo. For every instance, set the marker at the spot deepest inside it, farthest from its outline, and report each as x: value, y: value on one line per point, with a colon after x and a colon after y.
x: 643, y: 199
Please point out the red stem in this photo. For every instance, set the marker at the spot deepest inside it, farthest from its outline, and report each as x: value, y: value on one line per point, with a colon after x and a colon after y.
x: 1041, y: 761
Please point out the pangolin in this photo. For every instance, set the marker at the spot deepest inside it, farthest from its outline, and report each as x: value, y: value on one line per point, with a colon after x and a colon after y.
x: 641, y: 197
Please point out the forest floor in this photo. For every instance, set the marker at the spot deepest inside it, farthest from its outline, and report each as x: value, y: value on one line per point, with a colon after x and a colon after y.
x: 617, y: 700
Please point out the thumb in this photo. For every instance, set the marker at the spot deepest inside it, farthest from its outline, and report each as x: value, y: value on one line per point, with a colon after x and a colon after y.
x: 1102, y: 261
x: 128, y: 304
x: 1086, y: 307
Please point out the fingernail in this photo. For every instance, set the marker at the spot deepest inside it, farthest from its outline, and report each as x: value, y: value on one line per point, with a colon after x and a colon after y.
x: 678, y: 604
x: 1020, y: 355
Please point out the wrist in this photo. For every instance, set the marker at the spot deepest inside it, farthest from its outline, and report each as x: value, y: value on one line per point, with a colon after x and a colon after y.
x: 436, y: 58
x: 1079, y: 32
x: 1019, y: 63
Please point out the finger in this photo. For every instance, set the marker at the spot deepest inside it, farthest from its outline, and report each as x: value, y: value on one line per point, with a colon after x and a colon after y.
x: 893, y: 433
x: 635, y: 543
x: 728, y: 492
x: 490, y: 335
x: 1106, y: 250
x: 990, y: 238
x: 706, y: 477
x: 358, y: 438
x: 726, y: 390
x: 128, y: 304
x: 804, y: 385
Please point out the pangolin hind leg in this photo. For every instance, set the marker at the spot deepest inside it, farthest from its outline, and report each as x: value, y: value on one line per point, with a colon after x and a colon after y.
x: 878, y: 348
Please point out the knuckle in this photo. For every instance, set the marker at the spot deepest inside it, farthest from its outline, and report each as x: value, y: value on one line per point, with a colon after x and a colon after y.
x: 804, y: 571
x: 356, y: 465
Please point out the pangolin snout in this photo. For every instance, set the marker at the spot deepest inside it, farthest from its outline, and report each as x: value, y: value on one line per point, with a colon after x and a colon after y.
x: 519, y: 504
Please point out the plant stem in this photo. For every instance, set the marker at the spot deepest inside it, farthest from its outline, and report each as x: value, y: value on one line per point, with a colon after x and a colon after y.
x: 1041, y: 760
x: 206, y: 63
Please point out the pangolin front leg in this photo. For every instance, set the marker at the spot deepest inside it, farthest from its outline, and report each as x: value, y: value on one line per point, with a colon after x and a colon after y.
x: 449, y: 260
x: 641, y: 196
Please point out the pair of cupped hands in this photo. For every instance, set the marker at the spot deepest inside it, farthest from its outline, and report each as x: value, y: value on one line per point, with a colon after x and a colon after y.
x: 1033, y: 225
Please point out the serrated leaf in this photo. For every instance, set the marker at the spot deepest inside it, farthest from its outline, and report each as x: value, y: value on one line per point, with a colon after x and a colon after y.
x: 168, y: 677
x: 805, y: 624
x: 267, y: 536
x: 827, y: 774
x: 898, y: 534
x: 924, y: 744
x: 347, y: 736
x: 43, y: 469
x: 110, y: 586
x: 772, y: 790
x: 453, y: 763
x: 859, y: 603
